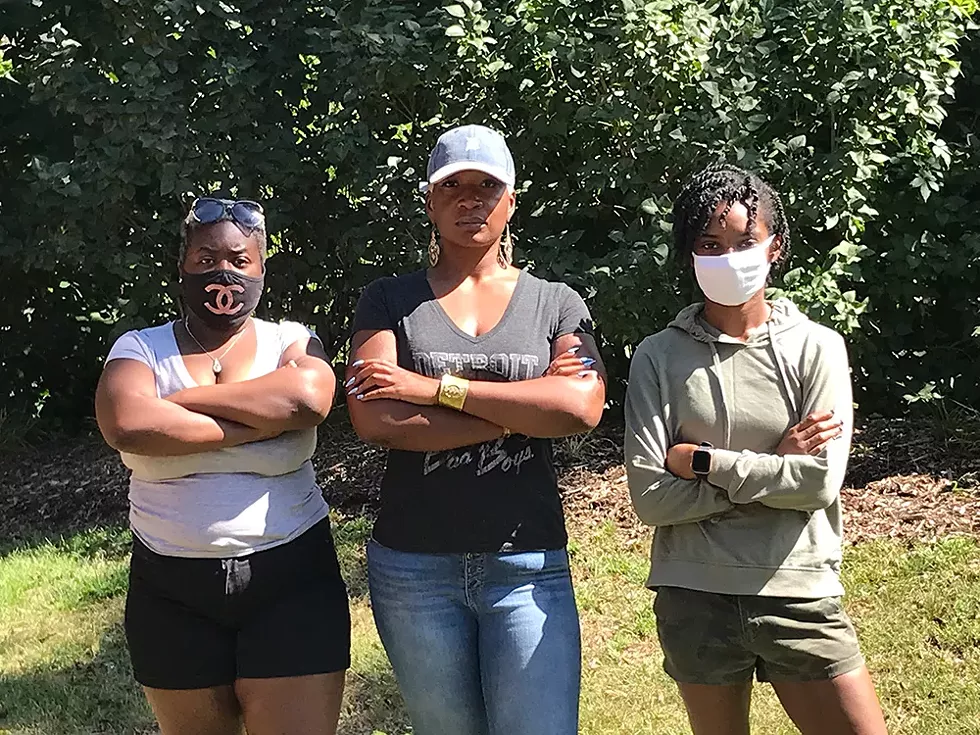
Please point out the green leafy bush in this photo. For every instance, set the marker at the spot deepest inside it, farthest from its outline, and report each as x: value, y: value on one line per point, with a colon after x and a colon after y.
x: 116, y: 113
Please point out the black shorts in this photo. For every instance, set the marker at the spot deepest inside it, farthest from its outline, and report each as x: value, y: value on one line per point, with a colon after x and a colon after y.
x: 197, y: 623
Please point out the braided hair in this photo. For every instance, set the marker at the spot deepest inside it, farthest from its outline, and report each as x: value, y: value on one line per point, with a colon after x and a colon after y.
x: 722, y: 182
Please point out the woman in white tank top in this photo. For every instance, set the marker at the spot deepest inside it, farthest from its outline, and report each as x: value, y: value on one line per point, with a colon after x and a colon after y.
x: 236, y: 612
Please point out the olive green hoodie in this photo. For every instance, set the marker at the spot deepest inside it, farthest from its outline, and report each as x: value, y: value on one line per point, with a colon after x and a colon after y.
x: 760, y: 523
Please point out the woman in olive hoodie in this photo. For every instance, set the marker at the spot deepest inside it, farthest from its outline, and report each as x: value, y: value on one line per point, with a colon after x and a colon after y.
x: 738, y: 427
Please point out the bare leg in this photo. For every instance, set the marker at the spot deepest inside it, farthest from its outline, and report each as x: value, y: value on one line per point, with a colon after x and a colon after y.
x: 844, y: 705
x: 718, y: 710
x: 212, y: 711
x: 292, y: 705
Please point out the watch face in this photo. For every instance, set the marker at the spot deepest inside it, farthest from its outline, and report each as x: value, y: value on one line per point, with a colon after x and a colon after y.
x: 701, y: 462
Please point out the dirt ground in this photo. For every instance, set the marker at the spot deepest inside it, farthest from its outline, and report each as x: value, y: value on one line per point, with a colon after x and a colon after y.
x: 902, y: 482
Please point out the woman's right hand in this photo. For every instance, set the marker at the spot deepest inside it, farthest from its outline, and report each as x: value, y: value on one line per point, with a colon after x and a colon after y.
x: 811, y: 435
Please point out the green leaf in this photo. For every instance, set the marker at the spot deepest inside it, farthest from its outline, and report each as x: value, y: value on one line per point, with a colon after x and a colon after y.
x: 457, y: 11
x: 650, y: 206
x: 798, y: 142
x: 793, y: 277
x: 710, y: 87
x: 455, y: 31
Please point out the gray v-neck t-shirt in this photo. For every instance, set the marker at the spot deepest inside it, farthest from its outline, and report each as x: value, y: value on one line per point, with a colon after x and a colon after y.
x: 501, y: 495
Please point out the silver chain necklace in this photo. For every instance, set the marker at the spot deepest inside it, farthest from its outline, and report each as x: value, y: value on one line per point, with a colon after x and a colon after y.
x: 216, y: 361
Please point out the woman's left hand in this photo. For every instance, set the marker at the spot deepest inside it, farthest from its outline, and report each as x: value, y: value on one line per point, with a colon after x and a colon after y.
x: 679, y: 459
x: 374, y: 379
x: 569, y: 365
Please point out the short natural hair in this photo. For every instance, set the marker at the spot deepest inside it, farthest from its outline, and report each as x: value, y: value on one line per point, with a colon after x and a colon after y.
x: 189, y: 225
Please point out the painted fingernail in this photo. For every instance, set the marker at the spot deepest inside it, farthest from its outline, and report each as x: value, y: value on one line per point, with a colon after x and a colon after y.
x: 349, y: 383
x: 584, y: 373
x: 357, y: 364
x: 587, y: 361
x: 360, y: 397
x: 352, y: 391
x: 574, y: 350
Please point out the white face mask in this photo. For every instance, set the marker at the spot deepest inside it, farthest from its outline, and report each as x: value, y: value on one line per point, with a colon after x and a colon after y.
x: 733, y: 278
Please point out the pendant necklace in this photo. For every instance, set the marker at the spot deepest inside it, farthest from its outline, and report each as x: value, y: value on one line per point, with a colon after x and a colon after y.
x: 216, y: 361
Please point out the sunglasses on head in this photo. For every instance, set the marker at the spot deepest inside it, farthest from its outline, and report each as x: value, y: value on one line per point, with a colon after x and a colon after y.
x: 245, y: 212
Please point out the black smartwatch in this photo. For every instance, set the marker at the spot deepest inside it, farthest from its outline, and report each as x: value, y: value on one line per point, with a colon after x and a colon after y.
x: 701, y: 460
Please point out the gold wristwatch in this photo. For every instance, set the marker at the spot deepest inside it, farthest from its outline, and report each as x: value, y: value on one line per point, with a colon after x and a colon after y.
x: 452, y: 392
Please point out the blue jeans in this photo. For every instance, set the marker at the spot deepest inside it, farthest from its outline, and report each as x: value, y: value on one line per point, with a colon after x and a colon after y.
x: 481, y: 644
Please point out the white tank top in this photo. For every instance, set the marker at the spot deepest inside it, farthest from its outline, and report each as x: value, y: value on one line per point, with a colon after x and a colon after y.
x: 225, y: 502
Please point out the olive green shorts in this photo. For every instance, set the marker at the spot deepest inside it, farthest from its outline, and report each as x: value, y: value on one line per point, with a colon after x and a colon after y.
x: 711, y: 638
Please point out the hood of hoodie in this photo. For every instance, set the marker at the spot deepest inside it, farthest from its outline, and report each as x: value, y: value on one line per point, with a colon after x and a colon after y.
x: 785, y: 316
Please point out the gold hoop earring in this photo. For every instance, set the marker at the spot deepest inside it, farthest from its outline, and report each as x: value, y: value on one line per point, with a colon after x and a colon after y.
x: 505, y: 254
x: 434, y: 250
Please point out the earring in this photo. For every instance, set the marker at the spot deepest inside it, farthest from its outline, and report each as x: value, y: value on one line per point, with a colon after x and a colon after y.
x: 434, y: 249
x: 505, y: 254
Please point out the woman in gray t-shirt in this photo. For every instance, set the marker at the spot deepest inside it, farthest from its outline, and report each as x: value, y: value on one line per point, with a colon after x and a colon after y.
x: 236, y: 611
x: 466, y: 371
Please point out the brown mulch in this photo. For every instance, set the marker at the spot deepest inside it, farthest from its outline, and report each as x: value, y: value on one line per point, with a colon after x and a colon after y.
x: 902, y: 483
x: 906, y: 446
x: 910, y: 507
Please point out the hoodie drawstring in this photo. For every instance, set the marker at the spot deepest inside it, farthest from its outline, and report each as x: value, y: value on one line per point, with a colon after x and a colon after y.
x: 726, y: 420
x: 783, y: 376
x: 781, y: 369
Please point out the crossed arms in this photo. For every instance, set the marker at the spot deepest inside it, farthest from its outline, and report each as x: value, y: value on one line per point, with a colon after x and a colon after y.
x: 397, y: 407
x: 804, y: 473
x: 297, y: 395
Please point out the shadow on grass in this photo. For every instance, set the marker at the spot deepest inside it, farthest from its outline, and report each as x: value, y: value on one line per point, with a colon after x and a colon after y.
x: 372, y: 703
x: 97, y: 697
x: 100, y: 697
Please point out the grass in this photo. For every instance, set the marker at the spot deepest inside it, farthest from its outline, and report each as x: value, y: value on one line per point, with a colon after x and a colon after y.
x: 63, y: 661
x: 64, y: 670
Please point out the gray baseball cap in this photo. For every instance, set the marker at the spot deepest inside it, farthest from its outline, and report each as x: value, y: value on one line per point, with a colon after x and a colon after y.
x: 470, y: 148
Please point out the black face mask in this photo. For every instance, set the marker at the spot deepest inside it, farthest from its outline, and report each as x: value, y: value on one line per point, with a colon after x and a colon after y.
x: 223, y: 299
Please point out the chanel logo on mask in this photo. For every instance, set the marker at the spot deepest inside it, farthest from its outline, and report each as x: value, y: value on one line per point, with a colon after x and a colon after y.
x: 222, y: 299
x: 225, y: 299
